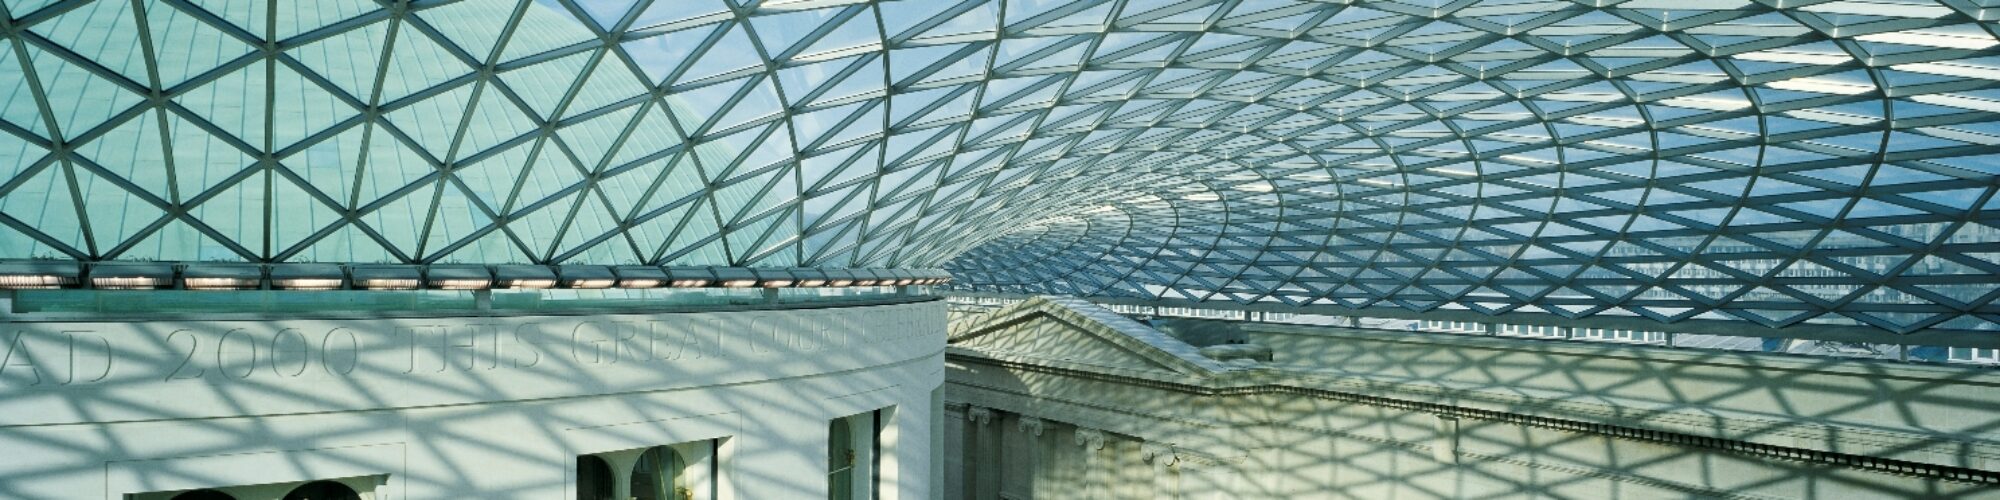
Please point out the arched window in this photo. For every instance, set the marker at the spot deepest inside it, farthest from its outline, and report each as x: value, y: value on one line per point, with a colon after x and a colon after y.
x: 661, y: 474
x: 593, y: 479
x: 840, y: 458
x: 323, y: 490
x: 203, y: 495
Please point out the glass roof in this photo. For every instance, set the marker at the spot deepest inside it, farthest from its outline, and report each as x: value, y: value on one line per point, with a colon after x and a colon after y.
x: 1830, y: 161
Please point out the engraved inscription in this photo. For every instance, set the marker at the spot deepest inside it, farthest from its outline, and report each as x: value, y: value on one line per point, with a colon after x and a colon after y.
x: 34, y: 358
x: 291, y: 353
x: 241, y: 354
x: 275, y: 351
x: 476, y: 347
x: 186, y: 369
x: 90, y: 357
x: 527, y: 341
x: 236, y: 354
x: 19, y: 363
x: 339, y: 352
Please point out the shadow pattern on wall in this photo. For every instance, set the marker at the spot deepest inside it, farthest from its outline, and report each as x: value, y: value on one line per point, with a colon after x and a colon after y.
x: 1343, y: 413
x: 449, y: 406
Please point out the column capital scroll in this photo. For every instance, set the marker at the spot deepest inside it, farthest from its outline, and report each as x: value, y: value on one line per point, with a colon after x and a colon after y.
x: 1092, y: 439
x: 1032, y: 425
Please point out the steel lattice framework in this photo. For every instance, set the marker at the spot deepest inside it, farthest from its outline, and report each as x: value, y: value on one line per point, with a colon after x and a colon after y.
x: 1776, y: 162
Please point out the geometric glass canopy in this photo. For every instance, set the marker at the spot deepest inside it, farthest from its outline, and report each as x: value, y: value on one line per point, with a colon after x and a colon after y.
x: 1777, y: 163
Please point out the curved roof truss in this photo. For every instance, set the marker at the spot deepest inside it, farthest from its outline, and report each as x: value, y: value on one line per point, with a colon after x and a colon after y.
x: 1779, y: 163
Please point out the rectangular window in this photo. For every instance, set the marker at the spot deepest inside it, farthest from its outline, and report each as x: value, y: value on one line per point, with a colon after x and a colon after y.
x: 840, y: 459
x: 857, y: 448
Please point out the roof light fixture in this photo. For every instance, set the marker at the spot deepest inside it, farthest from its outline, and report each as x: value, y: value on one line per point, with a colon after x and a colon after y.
x: 37, y: 275
x: 306, y: 276
x: 222, y: 276
x: 132, y: 275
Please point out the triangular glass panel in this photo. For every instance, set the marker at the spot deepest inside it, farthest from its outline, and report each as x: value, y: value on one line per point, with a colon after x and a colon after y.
x: 349, y: 59
x: 301, y: 215
x: 301, y: 16
x: 44, y: 203
x: 554, y: 28
x: 177, y: 241
x: 115, y: 214
x: 474, y: 26
x: 458, y: 219
x: 401, y: 220
x: 347, y: 244
x: 82, y: 100
x: 103, y: 32
x: 239, y: 213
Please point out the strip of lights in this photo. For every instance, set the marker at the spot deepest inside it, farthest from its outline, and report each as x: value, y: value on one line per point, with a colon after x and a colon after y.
x: 39, y: 275
x: 132, y: 276
x: 30, y: 282
x: 641, y: 277
x: 32, y: 275
x: 221, y: 283
x: 732, y: 277
x: 222, y: 277
x: 524, y: 277
x: 307, y: 283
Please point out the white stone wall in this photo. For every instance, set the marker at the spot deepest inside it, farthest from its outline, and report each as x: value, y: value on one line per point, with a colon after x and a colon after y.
x: 1293, y: 447
x: 1352, y: 414
x: 458, y: 407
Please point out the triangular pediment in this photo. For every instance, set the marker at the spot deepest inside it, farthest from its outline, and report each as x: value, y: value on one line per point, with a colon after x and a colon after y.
x: 1066, y: 330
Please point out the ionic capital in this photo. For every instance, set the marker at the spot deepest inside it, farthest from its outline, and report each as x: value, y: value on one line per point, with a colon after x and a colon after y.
x: 1150, y: 451
x: 1090, y: 439
x: 1031, y: 425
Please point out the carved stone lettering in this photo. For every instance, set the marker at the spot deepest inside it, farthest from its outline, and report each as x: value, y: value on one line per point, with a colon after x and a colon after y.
x: 90, y: 357
x: 236, y: 354
x: 428, y: 346
x: 475, y: 347
x: 283, y: 350
x: 764, y: 336
x: 834, y: 333
x: 704, y: 338
x: 526, y: 352
x: 663, y: 342
x: 291, y: 353
x: 799, y: 330
x: 589, y: 343
x: 339, y: 352
x: 19, y: 365
x: 184, y: 344
x: 625, y: 340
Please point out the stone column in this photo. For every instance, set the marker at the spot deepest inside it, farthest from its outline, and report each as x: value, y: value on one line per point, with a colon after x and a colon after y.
x: 983, y: 476
x: 950, y: 451
x: 1094, y: 475
x: 621, y: 462
x: 1024, y: 457
x: 1166, y: 476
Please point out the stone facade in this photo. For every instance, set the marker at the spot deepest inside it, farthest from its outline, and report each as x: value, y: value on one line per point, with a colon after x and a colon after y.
x: 1342, y: 413
x: 489, y: 406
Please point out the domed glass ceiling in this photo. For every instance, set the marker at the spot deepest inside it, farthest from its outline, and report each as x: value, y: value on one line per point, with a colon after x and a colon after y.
x: 1829, y: 161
